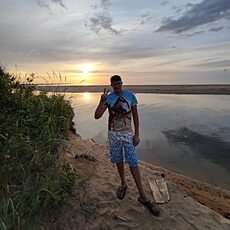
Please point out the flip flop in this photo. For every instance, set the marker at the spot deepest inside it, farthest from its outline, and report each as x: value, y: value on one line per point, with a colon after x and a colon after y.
x: 121, y: 192
x: 151, y: 205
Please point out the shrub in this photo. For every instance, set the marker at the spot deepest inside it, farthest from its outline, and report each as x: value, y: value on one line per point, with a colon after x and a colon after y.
x: 33, y: 127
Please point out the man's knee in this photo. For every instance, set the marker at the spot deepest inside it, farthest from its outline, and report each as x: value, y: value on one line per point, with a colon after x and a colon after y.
x: 120, y: 163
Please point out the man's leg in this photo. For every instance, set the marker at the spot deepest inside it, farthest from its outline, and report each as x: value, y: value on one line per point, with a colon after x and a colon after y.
x: 116, y: 155
x: 153, y: 208
x: 131, y: 159
x: 121, y: 189
x: 137, y: 178
x: 121, y: 170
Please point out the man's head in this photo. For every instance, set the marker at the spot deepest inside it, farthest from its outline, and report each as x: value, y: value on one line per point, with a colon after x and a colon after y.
x: 116, y: 83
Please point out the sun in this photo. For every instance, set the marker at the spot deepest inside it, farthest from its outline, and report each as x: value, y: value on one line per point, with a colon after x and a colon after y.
x: 86, y: 68
x: 85, y: 73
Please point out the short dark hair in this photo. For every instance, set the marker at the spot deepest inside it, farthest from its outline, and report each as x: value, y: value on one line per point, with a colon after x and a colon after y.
x: 115, y: 78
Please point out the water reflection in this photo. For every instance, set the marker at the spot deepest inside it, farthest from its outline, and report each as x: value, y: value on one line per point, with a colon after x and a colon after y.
x: 205, y: 146
x: 86, y: 96
x: 84, y: 105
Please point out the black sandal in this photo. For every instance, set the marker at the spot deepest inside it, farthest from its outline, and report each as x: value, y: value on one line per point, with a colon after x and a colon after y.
x: 121, y: 192
x: 151, y: 205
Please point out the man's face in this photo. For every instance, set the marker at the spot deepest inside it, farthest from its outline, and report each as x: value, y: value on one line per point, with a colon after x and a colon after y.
x: 117, y: 86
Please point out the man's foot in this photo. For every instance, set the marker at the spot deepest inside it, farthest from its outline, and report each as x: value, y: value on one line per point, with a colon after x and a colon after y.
x: 121, y: 192
x: 151, y: 205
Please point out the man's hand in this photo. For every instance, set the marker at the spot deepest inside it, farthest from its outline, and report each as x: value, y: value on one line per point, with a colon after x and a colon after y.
x: 136, y: 140
x: 104, y: 95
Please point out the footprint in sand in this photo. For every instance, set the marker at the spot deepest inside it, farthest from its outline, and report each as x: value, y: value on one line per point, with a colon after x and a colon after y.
x: 108, y: 186
x: 107, y: 196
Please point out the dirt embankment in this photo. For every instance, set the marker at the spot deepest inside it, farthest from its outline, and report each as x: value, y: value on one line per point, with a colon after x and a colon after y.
x: 193, y: 205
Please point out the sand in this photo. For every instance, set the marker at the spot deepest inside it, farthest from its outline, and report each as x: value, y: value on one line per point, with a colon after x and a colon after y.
x: 184, y: 210
x: 174, y: 89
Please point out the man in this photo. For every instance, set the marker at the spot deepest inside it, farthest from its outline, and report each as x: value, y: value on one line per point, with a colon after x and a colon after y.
x: 121, y: 104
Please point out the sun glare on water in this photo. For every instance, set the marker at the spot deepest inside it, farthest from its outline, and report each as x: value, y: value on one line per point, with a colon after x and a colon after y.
x: 86, y: 96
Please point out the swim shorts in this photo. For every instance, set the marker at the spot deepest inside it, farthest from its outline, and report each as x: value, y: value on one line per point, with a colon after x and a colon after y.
x: 119, y: 140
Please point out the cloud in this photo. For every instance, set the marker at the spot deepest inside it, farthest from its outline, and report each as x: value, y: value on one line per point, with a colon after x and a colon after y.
x: 94, y: 6
x: 192, y: 34
x: 43, y: 4
x: 105, y: 4
x: 214, y: 29
x: 60, y: 3
x: 178, y: 10
x: 145, y: 18
x: 164, y: 2
x: 199, y: 14
x: 214, y: 64
x: 188, y: 5
x: 102, y: 22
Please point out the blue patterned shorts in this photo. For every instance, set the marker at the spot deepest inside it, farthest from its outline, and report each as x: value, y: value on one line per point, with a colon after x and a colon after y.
x: 119, y: 140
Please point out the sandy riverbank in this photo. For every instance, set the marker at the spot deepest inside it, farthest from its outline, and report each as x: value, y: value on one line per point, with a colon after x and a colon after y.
x: 193, y: 204
x: 173, y: 89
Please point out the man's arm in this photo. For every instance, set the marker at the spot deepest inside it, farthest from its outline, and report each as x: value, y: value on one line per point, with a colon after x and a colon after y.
x: 100, y: 110
x: 136, y: 125
x: 101, y: 106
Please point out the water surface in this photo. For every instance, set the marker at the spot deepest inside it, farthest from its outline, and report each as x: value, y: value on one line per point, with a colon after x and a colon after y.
x: 188, y: 134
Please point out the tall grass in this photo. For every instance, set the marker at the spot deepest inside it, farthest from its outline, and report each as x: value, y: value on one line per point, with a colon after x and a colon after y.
x: 33, y: 183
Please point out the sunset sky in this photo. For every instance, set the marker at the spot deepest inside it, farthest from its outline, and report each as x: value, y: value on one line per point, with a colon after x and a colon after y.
x: 144, y: 41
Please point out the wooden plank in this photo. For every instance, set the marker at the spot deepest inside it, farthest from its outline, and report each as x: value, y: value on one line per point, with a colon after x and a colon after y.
x: 156, y: 192
x: 162, y: 185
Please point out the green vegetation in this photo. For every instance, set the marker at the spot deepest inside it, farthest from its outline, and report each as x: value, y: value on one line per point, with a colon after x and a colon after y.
x: 34, y: 184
